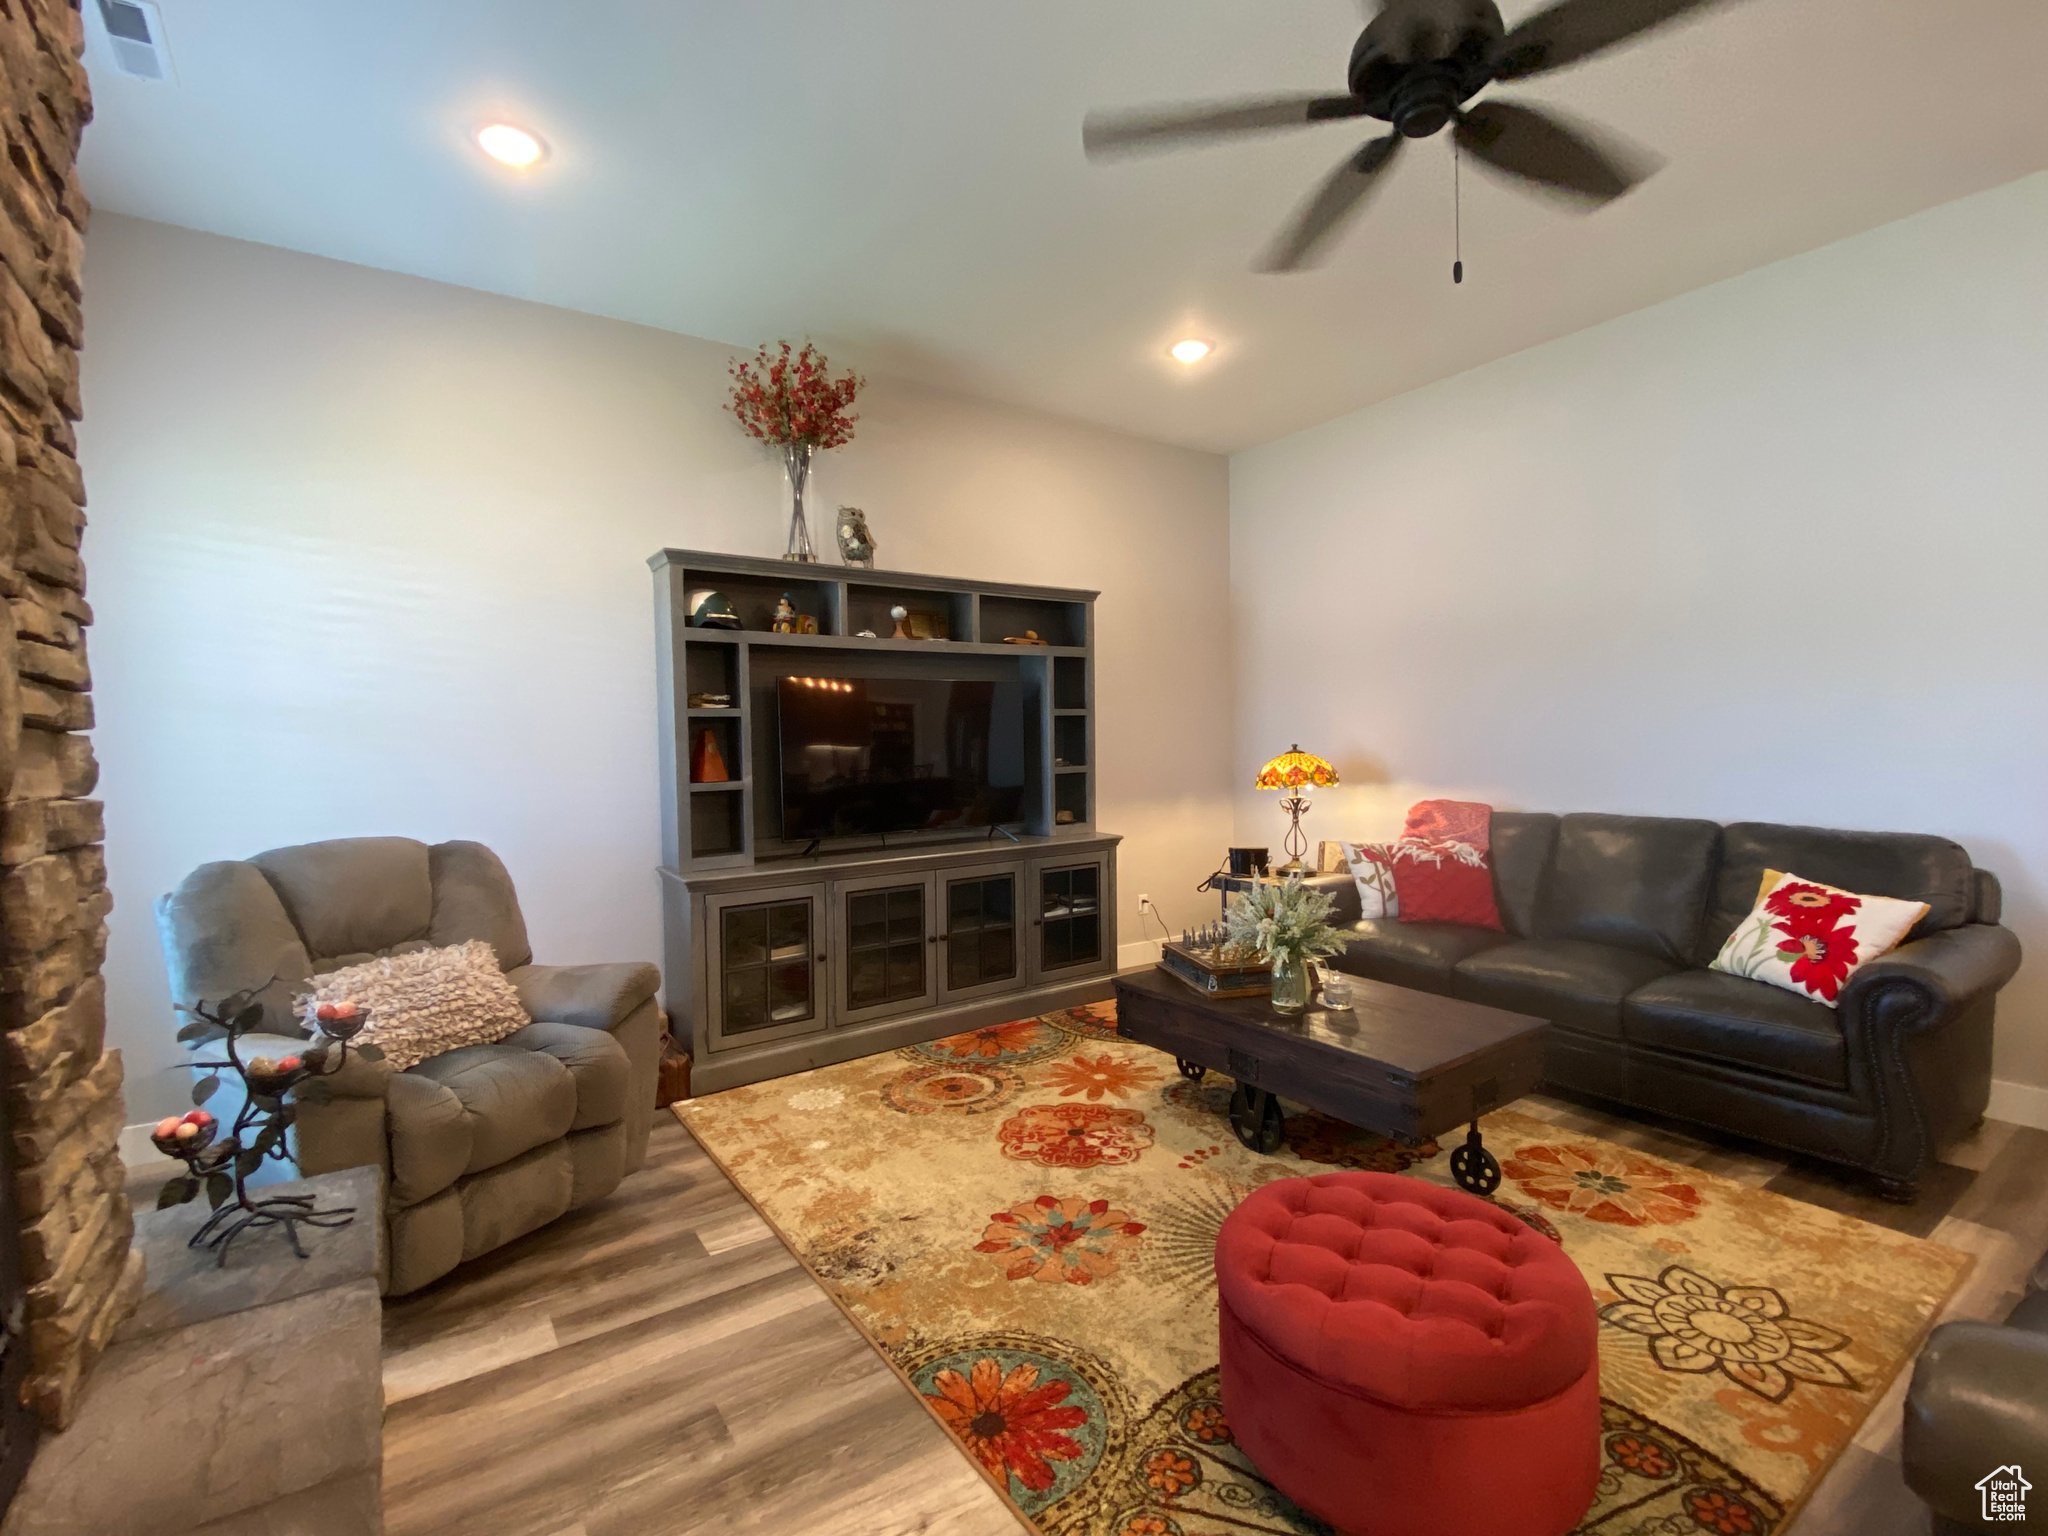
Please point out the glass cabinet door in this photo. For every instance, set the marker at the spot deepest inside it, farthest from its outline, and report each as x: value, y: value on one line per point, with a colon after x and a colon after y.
x: 1069, y: 917
x: 885, y: 943
x: 764, y: 976
x: 981, y: 950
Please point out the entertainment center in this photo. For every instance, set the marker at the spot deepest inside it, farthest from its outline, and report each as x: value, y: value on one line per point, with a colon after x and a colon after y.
x: 940, y: 868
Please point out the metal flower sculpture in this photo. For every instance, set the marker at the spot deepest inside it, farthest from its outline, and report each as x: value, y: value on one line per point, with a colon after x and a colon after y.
x: 222, y: 1165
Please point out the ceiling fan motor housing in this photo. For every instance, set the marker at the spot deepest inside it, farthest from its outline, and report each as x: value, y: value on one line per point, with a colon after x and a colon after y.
x: 1419, y: 60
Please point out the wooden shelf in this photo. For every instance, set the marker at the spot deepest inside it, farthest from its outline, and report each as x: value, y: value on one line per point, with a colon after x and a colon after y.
x: 704, y: 824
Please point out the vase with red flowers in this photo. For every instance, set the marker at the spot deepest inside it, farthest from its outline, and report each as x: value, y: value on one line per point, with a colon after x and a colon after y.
x: 787, y: 397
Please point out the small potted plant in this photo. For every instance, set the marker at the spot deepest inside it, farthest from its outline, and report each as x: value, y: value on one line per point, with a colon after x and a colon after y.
x: 1286, y: 923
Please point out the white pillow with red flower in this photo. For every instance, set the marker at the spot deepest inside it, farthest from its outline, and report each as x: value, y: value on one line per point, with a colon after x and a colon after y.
x: 1372, y: 869
x: 1811, y: 938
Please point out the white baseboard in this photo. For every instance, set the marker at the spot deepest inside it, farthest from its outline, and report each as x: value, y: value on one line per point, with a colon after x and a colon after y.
x: 2020, y: 1103
x: 1144, y: 952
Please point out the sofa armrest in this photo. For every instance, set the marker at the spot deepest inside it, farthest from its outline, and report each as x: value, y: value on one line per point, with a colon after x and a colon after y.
x: 357, y: 1078
x: 1978, y: 1400
x: 1341, y: 889
x: 340, y: 1123
x: 1948, y: 970
x: 594, y: 996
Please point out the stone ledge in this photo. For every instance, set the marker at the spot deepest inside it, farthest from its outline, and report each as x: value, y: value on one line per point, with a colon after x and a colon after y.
x: 235, y: 1397
x: 186, y: 1286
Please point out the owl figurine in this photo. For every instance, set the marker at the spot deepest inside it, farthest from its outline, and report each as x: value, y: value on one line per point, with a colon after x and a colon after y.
x: 856, y: 544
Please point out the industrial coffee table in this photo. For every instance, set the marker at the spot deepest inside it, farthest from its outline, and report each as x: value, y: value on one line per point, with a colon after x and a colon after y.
x: 1401, y: 1063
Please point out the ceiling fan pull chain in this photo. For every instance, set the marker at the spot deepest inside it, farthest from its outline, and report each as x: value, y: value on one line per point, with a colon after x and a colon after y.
x: 1457, y: 220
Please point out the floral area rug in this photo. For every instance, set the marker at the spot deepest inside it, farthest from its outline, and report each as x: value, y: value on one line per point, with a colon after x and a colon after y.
x: 1022, y: 1218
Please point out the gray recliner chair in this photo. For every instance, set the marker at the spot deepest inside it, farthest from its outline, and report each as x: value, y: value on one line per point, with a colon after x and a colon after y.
x: 479, y: 1145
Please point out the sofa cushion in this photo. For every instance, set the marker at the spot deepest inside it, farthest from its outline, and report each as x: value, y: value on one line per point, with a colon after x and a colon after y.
x: 1441, y: 870
x: 1575, y: 984
x: 474, y: 899
x: 1736, y: 1020
x: 225, y: 931
x: 1522, y: 845
x: 516, y: 1099
x: 1635, y: 882
x: 353, y: 895
x: 595, y: 1061
x: 1419, y: 955
x: 1908, y: 866
x: 427, y: 1001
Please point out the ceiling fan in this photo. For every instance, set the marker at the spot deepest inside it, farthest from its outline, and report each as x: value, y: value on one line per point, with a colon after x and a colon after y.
x: 1416, y: 66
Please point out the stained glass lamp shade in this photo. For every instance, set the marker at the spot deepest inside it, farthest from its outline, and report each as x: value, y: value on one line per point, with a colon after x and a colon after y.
x: 1294, y: 771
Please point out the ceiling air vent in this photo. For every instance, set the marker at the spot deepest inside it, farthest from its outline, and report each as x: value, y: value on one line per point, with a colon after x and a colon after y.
x: 135, y: 34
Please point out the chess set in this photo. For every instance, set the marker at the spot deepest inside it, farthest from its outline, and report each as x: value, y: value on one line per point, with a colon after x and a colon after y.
x: 1205, y: 959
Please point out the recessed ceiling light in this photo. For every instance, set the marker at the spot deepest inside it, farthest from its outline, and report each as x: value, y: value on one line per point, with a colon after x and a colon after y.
x: 1190, y: 351
x: 509, y: 145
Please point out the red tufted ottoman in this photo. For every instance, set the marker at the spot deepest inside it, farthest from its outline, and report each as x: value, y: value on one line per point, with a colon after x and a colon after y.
x: 1405, y: 1360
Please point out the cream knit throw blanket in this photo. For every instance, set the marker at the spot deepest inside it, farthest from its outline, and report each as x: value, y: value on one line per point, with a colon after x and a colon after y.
x: 426, y: 1002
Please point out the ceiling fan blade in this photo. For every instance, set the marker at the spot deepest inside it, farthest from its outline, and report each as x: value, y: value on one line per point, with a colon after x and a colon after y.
x: 1537, y: 146
x: 1573, y: 29
x: 1107, y: 133
x: 1341, y: 195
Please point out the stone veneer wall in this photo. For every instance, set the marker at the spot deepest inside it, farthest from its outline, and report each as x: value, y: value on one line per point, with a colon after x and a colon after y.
x: 63, y: 1091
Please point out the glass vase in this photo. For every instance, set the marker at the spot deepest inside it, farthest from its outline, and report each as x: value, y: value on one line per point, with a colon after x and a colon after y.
x: 796, y: 458
x: 1290, y: 983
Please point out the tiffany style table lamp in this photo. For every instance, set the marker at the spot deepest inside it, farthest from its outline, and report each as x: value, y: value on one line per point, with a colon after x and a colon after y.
x: 1294, y: 771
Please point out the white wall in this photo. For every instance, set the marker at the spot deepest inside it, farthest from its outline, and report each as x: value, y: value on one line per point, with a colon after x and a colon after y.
x: 1777, y: 549
x: 368, y: 556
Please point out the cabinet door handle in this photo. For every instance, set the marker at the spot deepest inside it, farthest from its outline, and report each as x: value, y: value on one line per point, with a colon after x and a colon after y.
x: 931, y: 938
x: 821, y: 959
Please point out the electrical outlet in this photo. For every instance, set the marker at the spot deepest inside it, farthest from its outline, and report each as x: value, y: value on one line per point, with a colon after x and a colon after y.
x: 1145, y: 904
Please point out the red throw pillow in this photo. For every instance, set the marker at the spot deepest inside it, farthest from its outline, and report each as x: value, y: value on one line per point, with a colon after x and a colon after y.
x: 1443, y: 867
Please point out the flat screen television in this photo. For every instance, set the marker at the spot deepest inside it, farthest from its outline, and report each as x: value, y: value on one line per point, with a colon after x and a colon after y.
x: 864, y: 755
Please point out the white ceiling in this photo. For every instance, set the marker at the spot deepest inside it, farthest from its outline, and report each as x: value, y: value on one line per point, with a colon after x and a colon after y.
x: 902, y: 180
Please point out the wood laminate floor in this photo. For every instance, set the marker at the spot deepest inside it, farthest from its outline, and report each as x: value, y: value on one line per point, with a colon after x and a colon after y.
x: 658, y: 1363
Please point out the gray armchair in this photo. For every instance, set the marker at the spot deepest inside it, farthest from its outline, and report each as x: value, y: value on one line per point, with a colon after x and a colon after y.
x: 479, y: 1145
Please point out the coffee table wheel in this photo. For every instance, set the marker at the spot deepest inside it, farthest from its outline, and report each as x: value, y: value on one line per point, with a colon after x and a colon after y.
x: 1257, y: 1118
x: 1474, y: 1167
x: 1193, y: 1071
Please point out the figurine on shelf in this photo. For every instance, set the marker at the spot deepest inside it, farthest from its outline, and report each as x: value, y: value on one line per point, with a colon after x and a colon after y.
x: 784, y: 622
x: 901, y: 614
x: 856, y: 544
x: 707, y: 763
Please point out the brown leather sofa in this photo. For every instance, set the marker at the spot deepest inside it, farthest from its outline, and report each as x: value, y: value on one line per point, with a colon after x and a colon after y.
x: 1977, y: 1410
x: 1611, y: 922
